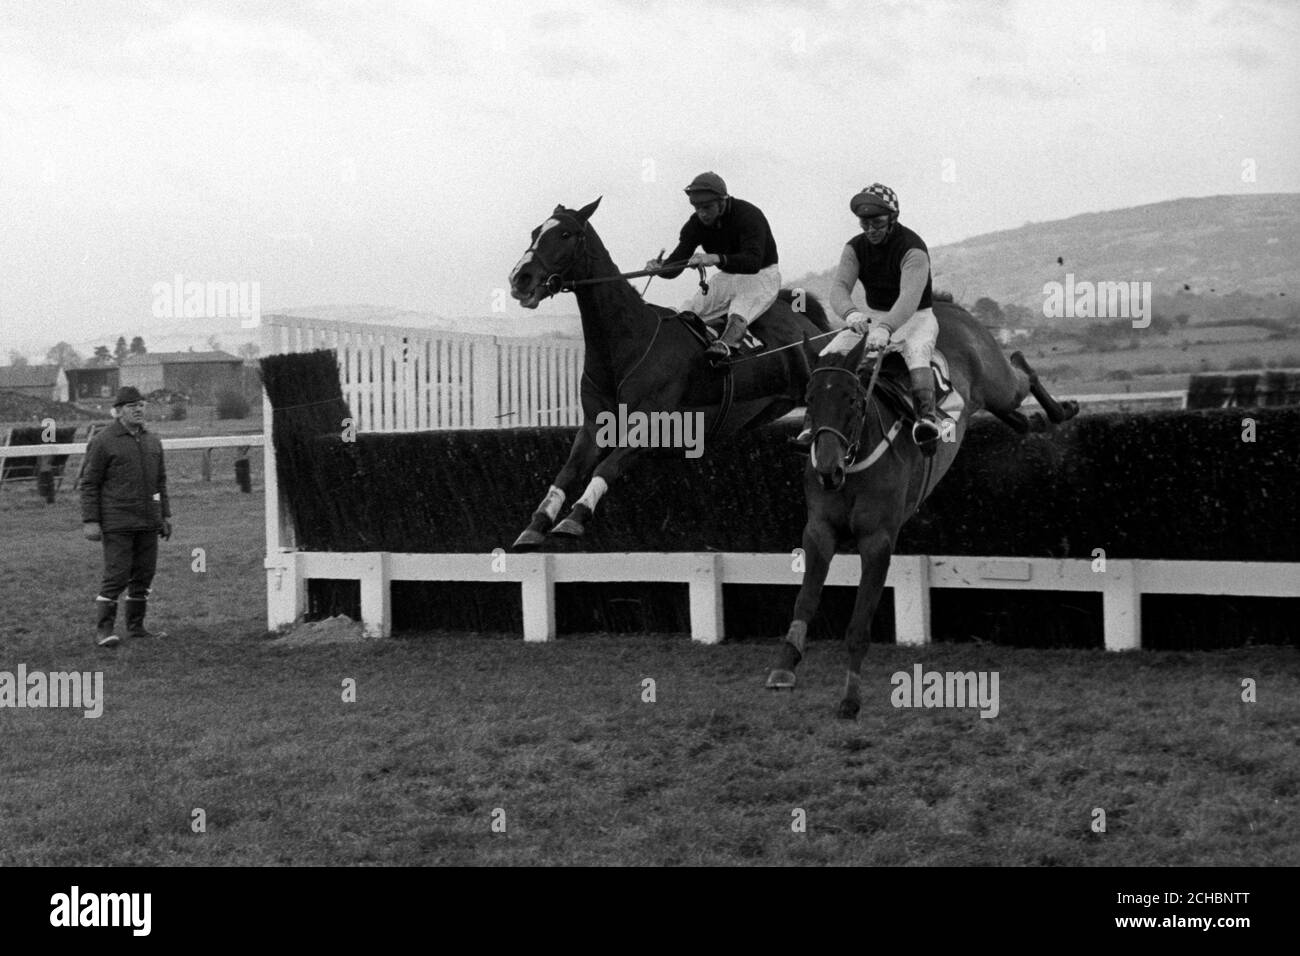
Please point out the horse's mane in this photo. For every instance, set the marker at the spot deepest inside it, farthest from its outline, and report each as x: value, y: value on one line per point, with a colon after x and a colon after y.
x: 811, y: 307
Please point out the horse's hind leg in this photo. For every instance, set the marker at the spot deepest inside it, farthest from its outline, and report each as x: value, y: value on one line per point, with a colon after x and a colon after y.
x: 1015, y: 419
x: 1057, y: 412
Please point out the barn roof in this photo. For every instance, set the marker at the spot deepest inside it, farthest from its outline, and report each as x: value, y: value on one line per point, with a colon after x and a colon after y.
x: 28, y: 376
x: 180, y: 358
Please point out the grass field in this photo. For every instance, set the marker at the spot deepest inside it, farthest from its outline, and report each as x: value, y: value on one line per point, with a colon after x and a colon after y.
x: 449, y: 732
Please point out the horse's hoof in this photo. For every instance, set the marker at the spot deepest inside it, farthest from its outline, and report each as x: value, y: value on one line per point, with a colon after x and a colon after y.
x: 780, y: 680
x: 530, y: 540
x: 569, y: 528
x: 848, y: 710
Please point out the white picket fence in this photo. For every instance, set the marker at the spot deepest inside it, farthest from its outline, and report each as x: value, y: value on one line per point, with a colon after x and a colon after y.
x: 407, y: 379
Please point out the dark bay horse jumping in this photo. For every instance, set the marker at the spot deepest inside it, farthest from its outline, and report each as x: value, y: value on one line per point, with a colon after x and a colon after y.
x: 642, y: 357
x: 862, y: 492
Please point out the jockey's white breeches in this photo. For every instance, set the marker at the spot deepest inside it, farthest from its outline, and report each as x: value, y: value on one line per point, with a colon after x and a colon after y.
x: 731, y: 293
x: 914, y: 339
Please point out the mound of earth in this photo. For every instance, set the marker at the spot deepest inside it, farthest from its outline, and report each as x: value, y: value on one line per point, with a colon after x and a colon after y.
x: 340, y: 629
x: 16, y: 407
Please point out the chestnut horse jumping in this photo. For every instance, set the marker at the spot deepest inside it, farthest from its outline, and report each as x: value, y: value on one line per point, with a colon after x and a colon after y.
x: 641, y: 357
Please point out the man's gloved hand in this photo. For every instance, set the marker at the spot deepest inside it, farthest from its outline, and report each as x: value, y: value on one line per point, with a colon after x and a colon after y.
x: 654, y: 264
x: 92, y: 531
x: 703, y: 259
x: 878, y: 338
x: 857, y: 322
x: 166, y: 532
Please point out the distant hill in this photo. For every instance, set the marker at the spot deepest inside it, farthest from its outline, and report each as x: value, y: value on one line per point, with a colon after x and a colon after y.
x: 1214, y: 246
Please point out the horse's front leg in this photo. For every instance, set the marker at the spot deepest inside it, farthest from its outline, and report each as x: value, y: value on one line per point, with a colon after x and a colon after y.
x: 611, y: 466
x: 582, y: 457
x: 875, y: 549
x: 818, y: 549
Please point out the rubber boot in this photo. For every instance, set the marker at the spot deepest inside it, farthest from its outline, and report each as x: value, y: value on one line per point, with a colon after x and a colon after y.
x: 926, y: 430
x: 135, y: 612
x: 105, y: 623
x: 731, y: 337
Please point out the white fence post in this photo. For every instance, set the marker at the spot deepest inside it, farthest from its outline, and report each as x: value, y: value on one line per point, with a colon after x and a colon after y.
x: 538, y: 588
x: 286, y: 589
x: 1121, y: 606
x: 377, y: 595
x: 705, y: 590
x: 911, y: 583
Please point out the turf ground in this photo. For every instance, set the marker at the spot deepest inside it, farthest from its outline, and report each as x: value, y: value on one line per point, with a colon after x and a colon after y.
x: 558, y: 746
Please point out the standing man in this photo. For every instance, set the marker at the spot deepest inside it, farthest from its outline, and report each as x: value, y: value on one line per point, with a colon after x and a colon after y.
x: 124, y: 502
x: 736, y: 238
x: 893, y: 265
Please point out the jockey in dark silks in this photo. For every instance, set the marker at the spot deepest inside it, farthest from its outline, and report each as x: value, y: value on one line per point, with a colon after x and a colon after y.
x: 736, y: 238
x: 893, y: 265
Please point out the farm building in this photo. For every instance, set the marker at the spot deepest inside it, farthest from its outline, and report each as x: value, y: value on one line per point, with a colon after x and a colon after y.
x: 201, y: 375
x: 47, y: 382
x: 92, y: 384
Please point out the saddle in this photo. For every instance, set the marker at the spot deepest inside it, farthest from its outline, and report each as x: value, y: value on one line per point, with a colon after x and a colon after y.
x: 707, y: 332
x: 894, y: 386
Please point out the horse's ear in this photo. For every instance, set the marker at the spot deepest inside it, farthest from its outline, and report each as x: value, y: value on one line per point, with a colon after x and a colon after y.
x: 855, y: 353
x: 585, y: 212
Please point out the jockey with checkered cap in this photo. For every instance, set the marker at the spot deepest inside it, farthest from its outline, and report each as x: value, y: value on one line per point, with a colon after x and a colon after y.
x: 893, y: 264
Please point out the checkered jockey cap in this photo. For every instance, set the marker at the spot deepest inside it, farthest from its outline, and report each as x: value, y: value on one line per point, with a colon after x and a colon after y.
x: 874, y: 200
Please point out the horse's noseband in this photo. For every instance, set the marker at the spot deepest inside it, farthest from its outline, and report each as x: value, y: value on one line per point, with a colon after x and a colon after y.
x: 858, y: 403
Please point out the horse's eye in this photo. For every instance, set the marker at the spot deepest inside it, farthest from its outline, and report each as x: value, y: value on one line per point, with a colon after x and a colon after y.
x: 564, y: 235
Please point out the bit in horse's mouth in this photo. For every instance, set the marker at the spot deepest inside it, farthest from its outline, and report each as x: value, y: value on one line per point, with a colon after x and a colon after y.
x: 529, y: 300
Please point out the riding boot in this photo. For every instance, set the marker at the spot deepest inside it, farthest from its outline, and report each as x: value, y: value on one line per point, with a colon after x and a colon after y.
x: 730, y: 338
x: 804, y: 439
x: 926, y: 430
x: 135, y: 611
x: 105, y: 623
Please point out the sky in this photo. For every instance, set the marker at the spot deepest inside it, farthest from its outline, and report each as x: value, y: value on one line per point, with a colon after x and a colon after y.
x: 398, y: 153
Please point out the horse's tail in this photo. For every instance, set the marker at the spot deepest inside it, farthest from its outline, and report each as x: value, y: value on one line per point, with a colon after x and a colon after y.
x: 811, y: 307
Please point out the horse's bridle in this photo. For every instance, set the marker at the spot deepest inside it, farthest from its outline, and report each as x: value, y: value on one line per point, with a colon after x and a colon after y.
x: 859, y: 402
x: 555, y: 283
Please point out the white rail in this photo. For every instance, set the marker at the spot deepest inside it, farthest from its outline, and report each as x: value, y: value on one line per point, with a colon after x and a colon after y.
x: 253, y: 440
x: 911, y: 577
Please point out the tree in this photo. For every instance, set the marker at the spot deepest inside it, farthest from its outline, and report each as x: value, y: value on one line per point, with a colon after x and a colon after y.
x: 1018, y: 316
x: 214, y: 343
x: 63, y: 355
x: 119, y: 350
x: 17, y: 359
x: 102, y: 357
x: 987, y: 311
x: 249, y: 351
x: 137, y: 346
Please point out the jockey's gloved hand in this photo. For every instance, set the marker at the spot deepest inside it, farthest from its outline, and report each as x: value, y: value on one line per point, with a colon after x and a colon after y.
x: 877, y: 338
x: 652, y: 264
x: 703, y: 259
x: 855, y: 321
